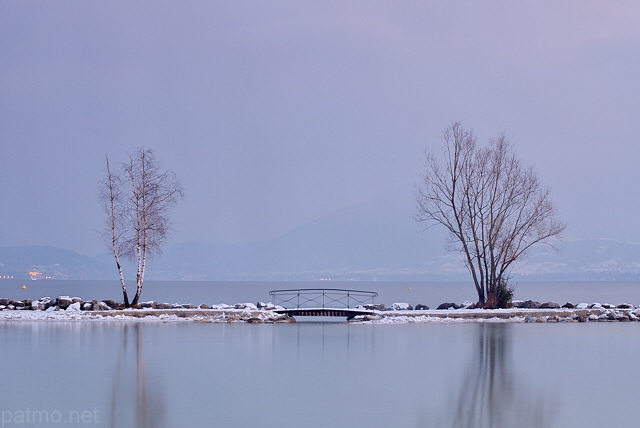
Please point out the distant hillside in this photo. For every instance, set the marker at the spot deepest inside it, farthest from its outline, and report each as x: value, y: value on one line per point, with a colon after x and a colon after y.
x: 584, y: 259
x: 52, y: 262
x: 379, y: 240
x: 375, y: 240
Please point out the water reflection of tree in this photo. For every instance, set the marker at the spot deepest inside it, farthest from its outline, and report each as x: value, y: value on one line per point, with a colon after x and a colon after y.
x: 135, y: 399
x: 491, y: 395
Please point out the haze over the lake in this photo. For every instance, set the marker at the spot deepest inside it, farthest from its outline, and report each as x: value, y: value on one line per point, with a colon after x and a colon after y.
x: 277, y: 113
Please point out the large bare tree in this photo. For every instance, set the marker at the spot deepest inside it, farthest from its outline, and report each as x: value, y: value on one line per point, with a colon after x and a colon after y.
x: 494, y: 208
x: 137, y: 202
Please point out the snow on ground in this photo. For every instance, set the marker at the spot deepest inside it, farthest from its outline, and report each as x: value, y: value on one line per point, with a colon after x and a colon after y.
x: 77, y: 316
x: 250, y: 313
x: 180, y: 315
x: 226, y: 315
x: 242, y: 315
x: 423, y: 319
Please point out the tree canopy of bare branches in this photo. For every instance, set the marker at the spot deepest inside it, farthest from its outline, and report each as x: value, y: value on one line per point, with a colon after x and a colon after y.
x: 494, y: 208
x: 137, y: 201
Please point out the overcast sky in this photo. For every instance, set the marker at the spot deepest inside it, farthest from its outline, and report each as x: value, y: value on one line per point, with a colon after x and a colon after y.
x: 276, y: 113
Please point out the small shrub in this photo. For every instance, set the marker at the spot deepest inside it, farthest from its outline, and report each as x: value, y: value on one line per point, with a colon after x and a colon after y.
x: 505, y: 294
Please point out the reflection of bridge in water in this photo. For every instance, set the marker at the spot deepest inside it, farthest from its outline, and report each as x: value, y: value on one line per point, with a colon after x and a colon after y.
x: 323, y: 302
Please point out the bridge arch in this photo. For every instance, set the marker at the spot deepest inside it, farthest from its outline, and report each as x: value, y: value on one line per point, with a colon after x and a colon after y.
x: 323, y: 301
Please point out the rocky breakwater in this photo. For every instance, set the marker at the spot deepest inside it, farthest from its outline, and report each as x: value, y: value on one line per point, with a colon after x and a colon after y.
x: 240, y: 312
x: 582, y: 312
x: 521, y: 311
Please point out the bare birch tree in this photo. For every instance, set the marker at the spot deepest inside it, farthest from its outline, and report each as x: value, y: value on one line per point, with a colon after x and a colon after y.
x: 494, y: 208
x: 137, y: 203
x: 111, y: 198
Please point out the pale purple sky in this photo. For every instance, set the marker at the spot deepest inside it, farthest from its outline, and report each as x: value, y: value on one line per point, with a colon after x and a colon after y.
x: 277, y: 113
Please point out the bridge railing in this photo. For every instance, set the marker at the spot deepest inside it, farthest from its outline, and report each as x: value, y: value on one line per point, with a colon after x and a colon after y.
x: 322, y: 298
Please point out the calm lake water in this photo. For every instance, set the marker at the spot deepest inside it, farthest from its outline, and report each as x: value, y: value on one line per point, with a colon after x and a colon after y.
x: 321, y: 374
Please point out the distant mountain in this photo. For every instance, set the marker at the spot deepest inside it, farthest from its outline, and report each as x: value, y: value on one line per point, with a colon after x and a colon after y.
x: 379, y: 240
x: 584, y: 259
x: 49, y: 262
x: 375, y: 240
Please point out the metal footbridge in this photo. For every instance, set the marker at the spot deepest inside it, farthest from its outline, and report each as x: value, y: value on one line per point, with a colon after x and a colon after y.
x: 323, y: 302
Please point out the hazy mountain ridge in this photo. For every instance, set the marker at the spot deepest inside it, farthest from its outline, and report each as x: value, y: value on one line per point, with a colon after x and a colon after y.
x: 589, y: 259
x: 374, y: 240
x: 46, y: 261
x: 585, y: 259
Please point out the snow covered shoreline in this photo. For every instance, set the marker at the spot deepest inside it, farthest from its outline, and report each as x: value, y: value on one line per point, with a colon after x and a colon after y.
x: 148, y: 315
x: 65, y: 308
x: 231, y: 315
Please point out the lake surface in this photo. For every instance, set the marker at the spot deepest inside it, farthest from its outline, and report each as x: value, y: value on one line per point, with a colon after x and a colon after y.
x: 321, y: 374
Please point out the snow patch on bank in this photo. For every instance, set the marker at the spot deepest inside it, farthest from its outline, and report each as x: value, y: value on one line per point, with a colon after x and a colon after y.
x: 79, y: 316
x: 424, y: 319
x: 229, y: 315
